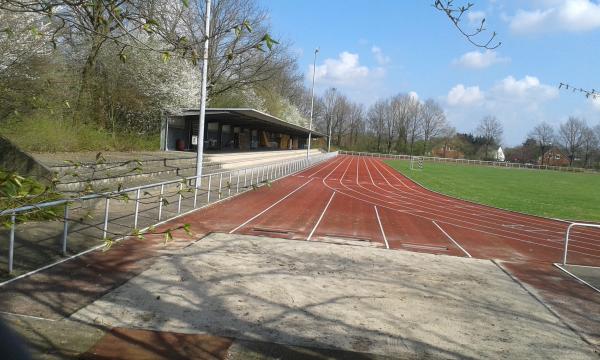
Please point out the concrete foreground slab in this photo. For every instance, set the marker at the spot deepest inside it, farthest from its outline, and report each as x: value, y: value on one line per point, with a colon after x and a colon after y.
x: 319, y: 295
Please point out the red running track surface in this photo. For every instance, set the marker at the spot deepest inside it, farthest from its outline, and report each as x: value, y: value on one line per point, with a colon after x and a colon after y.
x: 362, y: 198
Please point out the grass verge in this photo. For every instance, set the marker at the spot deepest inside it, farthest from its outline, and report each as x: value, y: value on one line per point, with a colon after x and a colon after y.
x: 40, y: 134
x: 569, y: 196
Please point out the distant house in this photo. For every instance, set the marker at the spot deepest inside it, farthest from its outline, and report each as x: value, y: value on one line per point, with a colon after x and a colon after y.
x: 555, y: 157
x: 447, y: 152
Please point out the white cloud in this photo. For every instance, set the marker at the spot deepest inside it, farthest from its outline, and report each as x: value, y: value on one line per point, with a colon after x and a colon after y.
x: 380, y: 57
x: 461, y: 95
x: 413, y: 95
x: 480, y: 59
x: 568, y: 16
x: 596, y: 103
x: 346, y: 69
x: 475, y: 17
x: 516, y: 102
x: 528, y: 89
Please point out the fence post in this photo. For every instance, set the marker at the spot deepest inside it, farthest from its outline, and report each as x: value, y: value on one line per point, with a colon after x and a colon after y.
x: 11, y: 244
x: 65, y: 229
x: 237, y: 183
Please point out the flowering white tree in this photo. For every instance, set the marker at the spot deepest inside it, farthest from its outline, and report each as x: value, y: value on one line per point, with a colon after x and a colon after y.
x: 22, y: 36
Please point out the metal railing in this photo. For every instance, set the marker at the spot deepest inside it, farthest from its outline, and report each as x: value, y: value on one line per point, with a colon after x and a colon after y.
x: 571, y: 226
x: 471, y: 162
x: 150, y: 206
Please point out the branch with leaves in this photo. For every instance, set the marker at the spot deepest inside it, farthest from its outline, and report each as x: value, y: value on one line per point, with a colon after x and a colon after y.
x: 456, y: 12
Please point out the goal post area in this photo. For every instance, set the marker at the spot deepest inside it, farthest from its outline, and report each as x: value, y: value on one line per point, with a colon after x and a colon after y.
x: 416, y: 163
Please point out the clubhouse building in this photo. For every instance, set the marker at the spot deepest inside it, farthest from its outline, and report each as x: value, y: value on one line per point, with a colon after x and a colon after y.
x: 231, y: 129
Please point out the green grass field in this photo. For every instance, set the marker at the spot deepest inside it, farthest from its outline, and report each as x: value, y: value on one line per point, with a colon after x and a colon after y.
x: 571, y: 196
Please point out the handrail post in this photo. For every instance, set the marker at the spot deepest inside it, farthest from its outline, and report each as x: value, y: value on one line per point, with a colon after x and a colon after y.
x: 160, y: 201
x: 106, y: 209
x: 11, y: 244
x: 220, y: 185
x: 567, y: 244
x: 208, y: 192
x: 137, y: 208
x: 179, y: 190
x: 229, y: 185
x: 65, y: 230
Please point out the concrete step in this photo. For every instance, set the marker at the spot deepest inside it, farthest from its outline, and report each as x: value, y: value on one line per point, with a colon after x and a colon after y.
x: 170, y: 168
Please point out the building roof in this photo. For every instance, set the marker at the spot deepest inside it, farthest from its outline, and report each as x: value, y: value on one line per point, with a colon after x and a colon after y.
x: 247, y: 116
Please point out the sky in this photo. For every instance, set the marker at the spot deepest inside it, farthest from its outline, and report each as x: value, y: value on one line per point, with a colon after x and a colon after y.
x: 373, y: 49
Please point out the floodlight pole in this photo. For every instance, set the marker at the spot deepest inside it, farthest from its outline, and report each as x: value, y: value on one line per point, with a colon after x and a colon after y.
x: 312, y: 104
x: 200, y: 145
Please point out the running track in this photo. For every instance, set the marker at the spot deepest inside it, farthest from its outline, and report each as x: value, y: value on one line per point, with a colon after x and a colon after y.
x: 363, y: 199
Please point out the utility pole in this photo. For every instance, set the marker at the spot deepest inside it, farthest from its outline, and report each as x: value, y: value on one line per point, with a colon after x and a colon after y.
x: 200, y: 152
x: 312, y: 104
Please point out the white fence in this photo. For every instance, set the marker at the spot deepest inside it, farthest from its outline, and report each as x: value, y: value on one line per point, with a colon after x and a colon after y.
x: 471, y: 162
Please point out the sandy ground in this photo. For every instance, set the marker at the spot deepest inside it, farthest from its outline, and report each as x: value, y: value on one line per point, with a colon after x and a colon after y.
x: 324, y: 295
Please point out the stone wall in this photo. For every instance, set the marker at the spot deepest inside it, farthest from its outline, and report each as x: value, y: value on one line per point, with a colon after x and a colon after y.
x: 12, y: 158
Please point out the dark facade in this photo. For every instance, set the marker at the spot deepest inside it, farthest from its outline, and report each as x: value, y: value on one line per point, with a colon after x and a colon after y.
x: 231, y: 130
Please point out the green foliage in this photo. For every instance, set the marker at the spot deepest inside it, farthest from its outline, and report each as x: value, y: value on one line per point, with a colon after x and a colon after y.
x: 39, y: 132
x: 17, y: 191
x: 572, y: 196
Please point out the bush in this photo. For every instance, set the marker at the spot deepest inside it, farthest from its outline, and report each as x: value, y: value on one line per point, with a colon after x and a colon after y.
x: 38, y: 133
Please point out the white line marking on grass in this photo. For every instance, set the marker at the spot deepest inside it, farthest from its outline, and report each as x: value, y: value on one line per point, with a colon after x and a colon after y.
x: 320, y: 217
x: 451, y: 239
x: 267, y: 209
x: 381, y: 228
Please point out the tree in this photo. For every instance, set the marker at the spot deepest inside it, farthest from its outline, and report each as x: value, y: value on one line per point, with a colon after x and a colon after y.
x: 571, y: 136
x: 376, y: 116
x: 490, y: 129
x: 589, y: 144
x: 21, y: 38
x: 433, y: 121
x: 413, y: 125
x: 543, y: 134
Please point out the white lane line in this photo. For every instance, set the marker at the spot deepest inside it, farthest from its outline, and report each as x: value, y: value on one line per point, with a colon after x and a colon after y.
x: 451, y: 239
x: 320, y: 217
x: 381, y: 228
x: 267, y: 209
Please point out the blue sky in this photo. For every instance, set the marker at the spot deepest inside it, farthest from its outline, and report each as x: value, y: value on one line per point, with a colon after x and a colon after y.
x: 378, y: 48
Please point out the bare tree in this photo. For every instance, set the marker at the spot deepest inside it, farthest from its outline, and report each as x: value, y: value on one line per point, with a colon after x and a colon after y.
x: 433, y: 121
x: 377, y: 120
x: 571, y: 136
x: 490, y: 129
x: 414, y: 130
x: 589, y: 144
x: 543, y: 134
x: 447, y: 134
